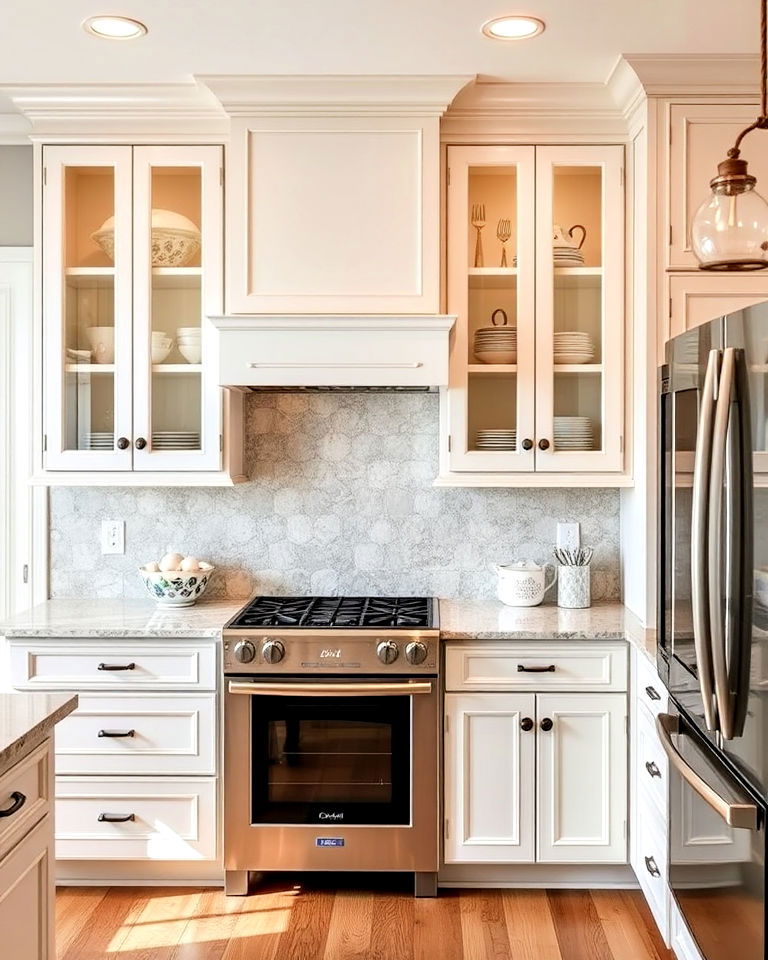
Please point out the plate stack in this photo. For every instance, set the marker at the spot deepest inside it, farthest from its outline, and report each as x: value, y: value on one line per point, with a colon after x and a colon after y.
x: 100, y: 440
x: 496, y: 344
x: 574, y: 433
x: 496, y: 439
x: 573, y: 346
x: 175, y: 440
x: 565, y: 256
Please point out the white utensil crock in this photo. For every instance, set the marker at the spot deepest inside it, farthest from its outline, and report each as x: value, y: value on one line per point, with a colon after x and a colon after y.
x: 573, y: 588
x: 524, y: 584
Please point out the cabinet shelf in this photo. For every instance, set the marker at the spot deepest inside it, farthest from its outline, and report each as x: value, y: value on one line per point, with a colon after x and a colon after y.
x: 497, y: 278
x: 90, y: 367
x: 491, y: 368
x: 578, y: 368
x: 180, y: 277
x: 177, y: 368
x: 90, y: 277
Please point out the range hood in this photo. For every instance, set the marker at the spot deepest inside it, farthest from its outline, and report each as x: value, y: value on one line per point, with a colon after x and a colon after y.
x: 409, y: 352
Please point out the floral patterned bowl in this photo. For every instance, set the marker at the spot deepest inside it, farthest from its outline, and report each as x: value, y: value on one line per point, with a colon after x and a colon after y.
x: 177, y: 588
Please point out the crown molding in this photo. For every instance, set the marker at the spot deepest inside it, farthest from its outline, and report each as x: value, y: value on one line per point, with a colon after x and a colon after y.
x: 323, y: 95
x: 711, y: 75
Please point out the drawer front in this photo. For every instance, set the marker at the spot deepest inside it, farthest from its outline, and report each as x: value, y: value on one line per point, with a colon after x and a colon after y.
x: 142, y: 818
x: 105, y: 665
x: 540, y: 666
x: 25, y: 789
x: 652, y: 765
x: 153, y: 734
x: 651, y: 693
x: 651, y: 857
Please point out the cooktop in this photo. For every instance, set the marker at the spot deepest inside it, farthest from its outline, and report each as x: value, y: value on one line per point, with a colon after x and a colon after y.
x: 408, y: 613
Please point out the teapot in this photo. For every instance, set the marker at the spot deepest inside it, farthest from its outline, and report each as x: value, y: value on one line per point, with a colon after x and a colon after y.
x: 562, y: 239
x: 524, y: 583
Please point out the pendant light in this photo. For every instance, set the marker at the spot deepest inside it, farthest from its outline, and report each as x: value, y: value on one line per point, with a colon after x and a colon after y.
x: 729, y: 231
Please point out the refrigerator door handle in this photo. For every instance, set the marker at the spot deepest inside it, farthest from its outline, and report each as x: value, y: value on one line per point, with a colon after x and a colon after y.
x: 699, y: 523
x: 740, y: 815
x: 715, y: 544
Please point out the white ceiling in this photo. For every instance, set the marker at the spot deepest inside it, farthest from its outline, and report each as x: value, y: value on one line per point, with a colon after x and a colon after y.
x: 41, y: 41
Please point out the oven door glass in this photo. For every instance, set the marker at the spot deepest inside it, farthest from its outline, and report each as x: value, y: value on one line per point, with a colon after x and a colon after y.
x: 331, y: 760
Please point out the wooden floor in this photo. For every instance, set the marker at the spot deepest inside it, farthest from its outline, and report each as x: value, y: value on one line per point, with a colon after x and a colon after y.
x: 320, y: 922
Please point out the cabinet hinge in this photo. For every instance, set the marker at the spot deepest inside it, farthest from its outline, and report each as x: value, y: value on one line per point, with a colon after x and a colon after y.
x: 221, y: 176
x: 670, y: 234
x: 670, y: 308
x: 447, y: 828
x: 449, y: 443
x: 45, y: 442
x: 449, y: 176
x: 25, y: 573
x: 621, y: 177
x: 447, y: 723
x: 625, y: 830
x: 221, y: 442
x: 45, y: 176
x: 621, y: 444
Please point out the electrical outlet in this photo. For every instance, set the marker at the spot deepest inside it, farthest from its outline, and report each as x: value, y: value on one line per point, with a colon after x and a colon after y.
x: 113, y: 536
x: 568, y: 536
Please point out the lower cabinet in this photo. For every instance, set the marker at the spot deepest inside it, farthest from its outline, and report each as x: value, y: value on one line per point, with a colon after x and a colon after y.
x: 26, y: 897
x: 535, y: 777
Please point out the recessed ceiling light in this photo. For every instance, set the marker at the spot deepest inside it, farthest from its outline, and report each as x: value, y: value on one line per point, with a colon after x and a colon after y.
x: 513, y: 28
x: 114, y: 28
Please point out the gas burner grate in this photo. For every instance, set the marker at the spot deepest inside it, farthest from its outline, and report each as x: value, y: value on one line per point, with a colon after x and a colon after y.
x: 326, y: 612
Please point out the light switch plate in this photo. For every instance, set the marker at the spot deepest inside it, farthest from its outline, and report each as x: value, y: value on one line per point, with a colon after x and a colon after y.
x: 112, y: 536
x: 569, y: 536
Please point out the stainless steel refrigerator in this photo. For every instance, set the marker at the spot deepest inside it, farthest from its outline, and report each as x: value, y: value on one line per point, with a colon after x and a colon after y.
x: 713, y: 626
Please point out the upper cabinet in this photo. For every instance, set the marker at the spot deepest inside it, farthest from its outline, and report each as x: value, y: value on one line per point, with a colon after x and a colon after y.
x: 132, y: 268
x: 535, y: 275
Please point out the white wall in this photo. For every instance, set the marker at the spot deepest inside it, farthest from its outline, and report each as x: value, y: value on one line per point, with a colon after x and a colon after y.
x: 15, y: 196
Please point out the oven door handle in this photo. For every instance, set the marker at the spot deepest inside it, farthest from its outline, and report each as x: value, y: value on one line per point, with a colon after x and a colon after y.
x: 739, y: 815
x: 256, y: 689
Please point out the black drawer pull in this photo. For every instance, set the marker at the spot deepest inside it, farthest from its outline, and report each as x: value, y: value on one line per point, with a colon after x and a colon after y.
x: 116, y: 817
x: 653, y: 693
x: 117, y: 733
x: 650, y: 866
x: 522, y: 669
x: 117, y: 666
x: 652, y: 769
x: 18, y: 799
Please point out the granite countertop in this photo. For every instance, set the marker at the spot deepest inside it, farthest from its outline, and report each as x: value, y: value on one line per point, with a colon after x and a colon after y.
x: 121, y: 618
x: 491, y: 620
x: 26, y: 719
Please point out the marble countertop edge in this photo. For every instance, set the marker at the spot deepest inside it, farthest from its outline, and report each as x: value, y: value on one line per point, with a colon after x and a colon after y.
x: 26, y: 720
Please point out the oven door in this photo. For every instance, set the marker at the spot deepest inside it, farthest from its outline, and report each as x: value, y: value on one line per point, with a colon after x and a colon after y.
x: 317, y: 764
x: 716, y: 847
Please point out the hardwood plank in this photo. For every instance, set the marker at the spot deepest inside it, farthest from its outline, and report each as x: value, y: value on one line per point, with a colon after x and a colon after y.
x: 392, y: 927
x: 437, y: 928
x: 577, y: 925
x: 108, y: 926
x: 260, y: 924
x: 74, y: 907
x: 157, y: 929
x: 349, y: 928
x: 530, y: 927
x: 308, y: 923
x: 208, y: 932
x: 483, y: 925
x: 626, y: 931
x: 636, y: 907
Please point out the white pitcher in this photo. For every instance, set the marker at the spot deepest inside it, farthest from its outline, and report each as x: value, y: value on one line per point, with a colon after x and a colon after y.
x: 523, y: 583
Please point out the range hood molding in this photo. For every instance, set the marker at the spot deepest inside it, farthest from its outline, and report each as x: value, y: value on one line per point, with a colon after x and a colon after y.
x: 327, y: 351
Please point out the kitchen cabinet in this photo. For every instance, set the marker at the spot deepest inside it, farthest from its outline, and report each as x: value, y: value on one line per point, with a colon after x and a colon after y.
x: 533, y: 777
x: 535, y: 276
x: 132, y: 251
x: 700, y: 297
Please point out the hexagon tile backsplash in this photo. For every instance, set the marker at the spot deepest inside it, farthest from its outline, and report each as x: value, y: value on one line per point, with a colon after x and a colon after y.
x: 340, y: 501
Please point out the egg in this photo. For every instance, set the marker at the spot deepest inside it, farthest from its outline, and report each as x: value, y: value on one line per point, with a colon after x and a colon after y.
x: 152, y: 567
x: 171, y: 562
x: 189, y: 564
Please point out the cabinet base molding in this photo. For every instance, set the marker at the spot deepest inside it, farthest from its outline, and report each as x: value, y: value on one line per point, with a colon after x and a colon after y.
x: 537, y: 876
x: 134, y: 873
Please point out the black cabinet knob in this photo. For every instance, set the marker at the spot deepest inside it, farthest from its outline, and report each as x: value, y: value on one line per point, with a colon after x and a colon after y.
x: 140, y: 443
x: 526, y: 723
x: 544, y: 444
x: 123, y: 443
x: 527, y: 444
x: 547, y: 724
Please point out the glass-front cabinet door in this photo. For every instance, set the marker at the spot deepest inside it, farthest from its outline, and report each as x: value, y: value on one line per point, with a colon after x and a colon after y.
x: 491, y: 211
x: 87, y: 305
x: 579, y: 308
x: 132, y: 266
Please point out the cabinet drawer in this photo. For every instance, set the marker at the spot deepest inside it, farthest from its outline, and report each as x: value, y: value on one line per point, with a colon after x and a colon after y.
x: 90, y: 665
x: 651, y: 857
x: 539, y: 666
x: 30, y: 778
x: 652, y: 774
x: 168, y: 734
x: 651, y: 693
x: 26, y: 896
x: 159, y: 819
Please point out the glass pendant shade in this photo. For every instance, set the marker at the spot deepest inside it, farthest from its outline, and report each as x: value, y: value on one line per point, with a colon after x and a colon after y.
x: 730, y: 229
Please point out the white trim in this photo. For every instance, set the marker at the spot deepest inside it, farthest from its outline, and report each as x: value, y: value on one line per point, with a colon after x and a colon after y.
x: 19, y: 505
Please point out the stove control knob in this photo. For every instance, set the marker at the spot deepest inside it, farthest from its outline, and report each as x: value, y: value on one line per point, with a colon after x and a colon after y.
x: 273, y: 651
x: 244, y: 651
x: 416, y: 652
x: 387, y: 651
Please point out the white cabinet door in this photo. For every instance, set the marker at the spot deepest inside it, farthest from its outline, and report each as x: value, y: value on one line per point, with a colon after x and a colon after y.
x: 579, y: 309
x: 26, y: 897
x: 87, y: 307
x: 581, y: 768
x: 333, y: 215
x: 700, y: 297
x: 489, y: 782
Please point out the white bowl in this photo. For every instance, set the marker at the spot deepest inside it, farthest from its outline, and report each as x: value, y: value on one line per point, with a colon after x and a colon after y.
x: 191, y: 353
x: 175, y: 238
x: 160, y: 350
x: 177, y: 588
x: 102, y: 340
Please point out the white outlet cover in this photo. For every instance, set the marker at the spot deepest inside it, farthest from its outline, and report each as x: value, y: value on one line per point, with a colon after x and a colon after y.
x: 112, y: 536
x: 569, y: 536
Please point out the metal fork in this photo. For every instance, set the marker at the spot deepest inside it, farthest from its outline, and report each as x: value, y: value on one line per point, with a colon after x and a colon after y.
x: 478, y: 222
x: 503, y: 233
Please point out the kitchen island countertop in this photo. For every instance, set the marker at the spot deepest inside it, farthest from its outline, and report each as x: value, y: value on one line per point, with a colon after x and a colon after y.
x: 26, y: 719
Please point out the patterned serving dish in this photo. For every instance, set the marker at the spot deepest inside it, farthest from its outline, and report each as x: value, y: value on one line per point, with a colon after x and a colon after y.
x: 177, y: 588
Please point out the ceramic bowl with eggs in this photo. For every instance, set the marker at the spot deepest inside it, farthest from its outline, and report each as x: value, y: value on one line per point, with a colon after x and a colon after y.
x: 176, y: 580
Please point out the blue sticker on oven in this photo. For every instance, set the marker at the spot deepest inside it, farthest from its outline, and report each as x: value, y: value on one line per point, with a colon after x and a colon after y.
x: 329, y: 841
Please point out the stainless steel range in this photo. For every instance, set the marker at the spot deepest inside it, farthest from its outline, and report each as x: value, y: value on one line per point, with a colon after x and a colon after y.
x: 331, y: 737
